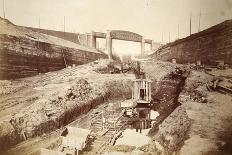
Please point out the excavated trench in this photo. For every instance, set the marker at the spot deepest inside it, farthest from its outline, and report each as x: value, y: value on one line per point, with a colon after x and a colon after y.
x: 165, y: 101
x: 170, y: 128
x: 165, y: 93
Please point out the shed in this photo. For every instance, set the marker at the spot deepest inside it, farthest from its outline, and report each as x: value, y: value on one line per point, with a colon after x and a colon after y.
x: 142, y: 91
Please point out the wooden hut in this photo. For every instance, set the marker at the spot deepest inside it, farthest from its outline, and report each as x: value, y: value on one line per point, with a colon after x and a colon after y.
x: 141, y: 93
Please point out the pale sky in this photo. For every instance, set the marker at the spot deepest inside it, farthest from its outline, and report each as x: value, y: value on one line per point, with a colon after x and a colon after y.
x: 149, y: 18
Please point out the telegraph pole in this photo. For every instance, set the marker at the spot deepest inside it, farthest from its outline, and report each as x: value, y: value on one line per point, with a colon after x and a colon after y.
x: 190, y: 23
x: 64, y: 23
x: 178, y: 31
x: 3, y: 8
x: 199, y: 24
x: 162, y: 38
x: 39, y: 22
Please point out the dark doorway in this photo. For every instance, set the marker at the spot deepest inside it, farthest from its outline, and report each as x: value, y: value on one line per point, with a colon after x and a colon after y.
x: 142, y: 94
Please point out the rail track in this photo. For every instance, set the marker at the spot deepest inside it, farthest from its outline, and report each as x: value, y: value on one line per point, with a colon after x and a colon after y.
x: 107, y: 132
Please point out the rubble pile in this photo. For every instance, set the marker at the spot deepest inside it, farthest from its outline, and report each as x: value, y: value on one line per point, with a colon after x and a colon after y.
x: 198, y: 96
x: 195, y: 87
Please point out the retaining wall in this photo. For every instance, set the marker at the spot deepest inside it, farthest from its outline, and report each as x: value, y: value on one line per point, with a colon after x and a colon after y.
x: 21, y: 57
x: 207, y: 46
x: 73, y: 37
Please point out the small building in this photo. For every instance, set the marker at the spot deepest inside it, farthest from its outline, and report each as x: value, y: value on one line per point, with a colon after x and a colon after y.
x: 141, y: 99
x: 141, y: 93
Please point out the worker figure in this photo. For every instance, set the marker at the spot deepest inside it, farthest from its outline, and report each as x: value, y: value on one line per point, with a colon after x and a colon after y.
x: 137, y: 126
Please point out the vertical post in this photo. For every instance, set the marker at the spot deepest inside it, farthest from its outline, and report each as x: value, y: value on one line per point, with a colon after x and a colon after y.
x: 39, y: 22
x: 88, y: 36
x: 3, y: 8
x: 190, y: 24
x: 152, y: 45
x: 64, y: 23
x: 109, y: 45
x: 86, y: 39
x: 64, y: 59
x: 139, y: 86
x: 178, y: 32
x: 133, y: 91
x: 93, y: 40
x: 162, y: 37
x: 142, y: 46
x: 150, y: 90
x: 169, y: 37
x: 148, y: 93
x: 199, y: 24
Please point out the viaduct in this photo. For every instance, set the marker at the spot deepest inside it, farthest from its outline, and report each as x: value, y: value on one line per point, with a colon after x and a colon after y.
x: 89, y: 39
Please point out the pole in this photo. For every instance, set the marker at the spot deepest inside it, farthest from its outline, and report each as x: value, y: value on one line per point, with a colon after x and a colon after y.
x: 199, y: 25
x: 169, y: 37
x: 64, y: 59
x: 190, y: 23
x: 39, y: 22
x: 3, y: 8
x: 162, y: 38
x: 178, y: 31
x: 64, y: 23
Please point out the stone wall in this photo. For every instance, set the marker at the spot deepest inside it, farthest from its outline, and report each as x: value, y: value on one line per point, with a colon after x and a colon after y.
x: 78, y: 38
x: 21, y: 57
x: 73, y: 37
x: 207, y: 46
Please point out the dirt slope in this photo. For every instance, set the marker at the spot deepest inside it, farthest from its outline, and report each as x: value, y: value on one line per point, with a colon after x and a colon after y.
x: 43, y: 103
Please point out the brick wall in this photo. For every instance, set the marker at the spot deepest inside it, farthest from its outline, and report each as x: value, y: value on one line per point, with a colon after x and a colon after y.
x: 21, y: 57
x: 207, y: 46
x: 73, y: 37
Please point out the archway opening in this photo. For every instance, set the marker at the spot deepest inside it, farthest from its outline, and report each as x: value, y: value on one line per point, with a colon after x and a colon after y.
x: 126, y: 48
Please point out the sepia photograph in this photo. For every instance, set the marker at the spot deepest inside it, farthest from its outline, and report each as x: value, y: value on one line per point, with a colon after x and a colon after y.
x: 116, y: 77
